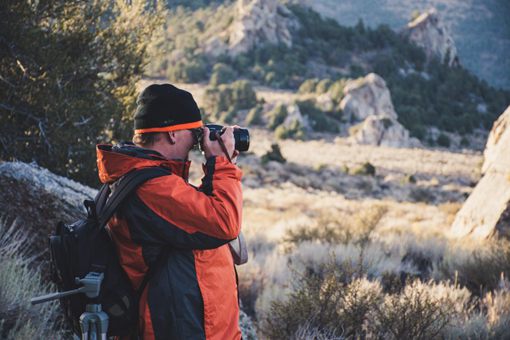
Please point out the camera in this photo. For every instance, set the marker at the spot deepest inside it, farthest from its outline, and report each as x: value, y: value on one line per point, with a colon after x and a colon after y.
x: 241, y: 136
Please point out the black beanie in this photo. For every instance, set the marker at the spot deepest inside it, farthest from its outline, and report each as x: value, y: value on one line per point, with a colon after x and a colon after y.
x: 164, y: 107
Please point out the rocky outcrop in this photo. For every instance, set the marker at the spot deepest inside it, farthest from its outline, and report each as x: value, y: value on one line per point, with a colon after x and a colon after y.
x: 367, y: 96
x: 382, y: 131
x: 260, y: 21
x: 429, y: 32
x: 369, y: 99
x: 486, y: 212
x: 39, y: 199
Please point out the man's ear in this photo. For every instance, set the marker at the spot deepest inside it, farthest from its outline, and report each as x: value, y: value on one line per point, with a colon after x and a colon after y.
x: 171, y: 137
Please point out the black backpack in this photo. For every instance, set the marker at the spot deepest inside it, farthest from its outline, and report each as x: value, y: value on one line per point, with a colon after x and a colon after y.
x: 85, y: 246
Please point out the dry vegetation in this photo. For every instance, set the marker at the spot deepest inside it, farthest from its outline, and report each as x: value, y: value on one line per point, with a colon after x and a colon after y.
x: 350, y: 241
x: 339, y: 254
x: 19, y: 282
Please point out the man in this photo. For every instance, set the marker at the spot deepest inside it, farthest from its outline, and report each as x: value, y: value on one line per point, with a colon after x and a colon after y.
x: 193, y: 295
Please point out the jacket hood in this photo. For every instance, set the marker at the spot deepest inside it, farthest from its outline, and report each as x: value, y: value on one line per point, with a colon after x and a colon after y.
x: 114, y: 161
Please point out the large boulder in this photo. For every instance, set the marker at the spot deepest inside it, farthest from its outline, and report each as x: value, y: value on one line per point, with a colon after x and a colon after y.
x: 260, y: 21
x: 369, y: 99
x: 367, y: 96
x: 428, y: 31
x: 382, y: 131
x: 39, y: 199
x: 486, y: 212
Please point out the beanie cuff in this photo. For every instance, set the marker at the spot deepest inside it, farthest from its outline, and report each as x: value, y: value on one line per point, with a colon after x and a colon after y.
x: 185, y: 126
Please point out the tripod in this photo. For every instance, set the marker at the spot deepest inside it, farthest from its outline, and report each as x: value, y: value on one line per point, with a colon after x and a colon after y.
x: 93, y: 322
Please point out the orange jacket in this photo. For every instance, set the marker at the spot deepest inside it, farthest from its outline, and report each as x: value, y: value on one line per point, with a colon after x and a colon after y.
x: 194, y: 294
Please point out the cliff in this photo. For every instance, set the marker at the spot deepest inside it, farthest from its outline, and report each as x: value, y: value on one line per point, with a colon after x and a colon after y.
x: 486, y: 212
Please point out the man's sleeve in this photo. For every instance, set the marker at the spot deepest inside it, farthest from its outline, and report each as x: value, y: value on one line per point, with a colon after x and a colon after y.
x: 170, y: 211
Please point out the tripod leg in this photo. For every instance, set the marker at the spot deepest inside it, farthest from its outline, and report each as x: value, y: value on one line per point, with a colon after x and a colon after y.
x: 94, y: 323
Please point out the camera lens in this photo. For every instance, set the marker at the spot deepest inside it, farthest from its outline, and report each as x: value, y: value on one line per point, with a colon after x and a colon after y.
x: 241, y: 136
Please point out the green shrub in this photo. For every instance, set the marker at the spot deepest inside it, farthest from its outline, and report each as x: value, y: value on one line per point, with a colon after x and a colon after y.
x: 190, y: 71
x: 293, y: 131
x: 334, y: 301
x: 308, y: 86
x: 221, y: 74
x: 323, y: 86
x: 481, y: 269
x: 366, y: 169
x: 69, y: 71
x: 419, y: 194
x: 276, y: 116
x: 320, y: 121
x: 254, y: 116
x: 274, y: 154
x: 228, y: 117
x: 414, y: 314
x: 443, y: 140
x: 243, y: 95
x: 336, y: 90
x: 229, y: 98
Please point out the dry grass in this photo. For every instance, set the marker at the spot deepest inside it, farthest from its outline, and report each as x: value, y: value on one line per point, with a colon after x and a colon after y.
x: 18, y: 283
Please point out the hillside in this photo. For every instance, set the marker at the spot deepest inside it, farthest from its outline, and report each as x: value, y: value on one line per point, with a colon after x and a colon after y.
x: 479, y: 27
x: 201, y: 45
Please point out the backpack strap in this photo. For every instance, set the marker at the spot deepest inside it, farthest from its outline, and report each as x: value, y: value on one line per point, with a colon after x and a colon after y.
x: 124, y: 186
x: 100, y: 199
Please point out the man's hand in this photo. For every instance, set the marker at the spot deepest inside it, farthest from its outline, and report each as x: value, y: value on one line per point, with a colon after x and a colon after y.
x: 213, y: 148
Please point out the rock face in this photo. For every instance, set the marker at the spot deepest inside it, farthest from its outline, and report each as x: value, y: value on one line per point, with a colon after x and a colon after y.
x: 260, y: 21
x: 486, y: 212
x: 429, y: 32
x: 369, y: 99
x: 39, y: 199
x: 368, y: 96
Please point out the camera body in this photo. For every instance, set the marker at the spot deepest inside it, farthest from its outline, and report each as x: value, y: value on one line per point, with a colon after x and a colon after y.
x: 241, y: 136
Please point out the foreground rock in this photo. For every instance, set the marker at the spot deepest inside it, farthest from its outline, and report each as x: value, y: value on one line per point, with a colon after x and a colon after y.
x: 486, y: 212
x: 39, y: 199
x: 369, y: 99
x: 428, y: 31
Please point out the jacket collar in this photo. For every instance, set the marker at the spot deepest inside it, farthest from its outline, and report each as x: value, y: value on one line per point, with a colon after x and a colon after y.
x: 114, y: 161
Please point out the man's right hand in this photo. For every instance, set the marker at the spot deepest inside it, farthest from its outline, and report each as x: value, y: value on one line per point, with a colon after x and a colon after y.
x: 213, y: 148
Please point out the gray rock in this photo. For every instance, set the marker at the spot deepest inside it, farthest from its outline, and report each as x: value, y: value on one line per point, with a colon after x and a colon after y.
x: 367, y: 96
x: 369, y: 99
x: 260, y: 21
x: 383, y: 131
x: 428, y: 31
x: 486, y: 212
x: 39, y: 199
